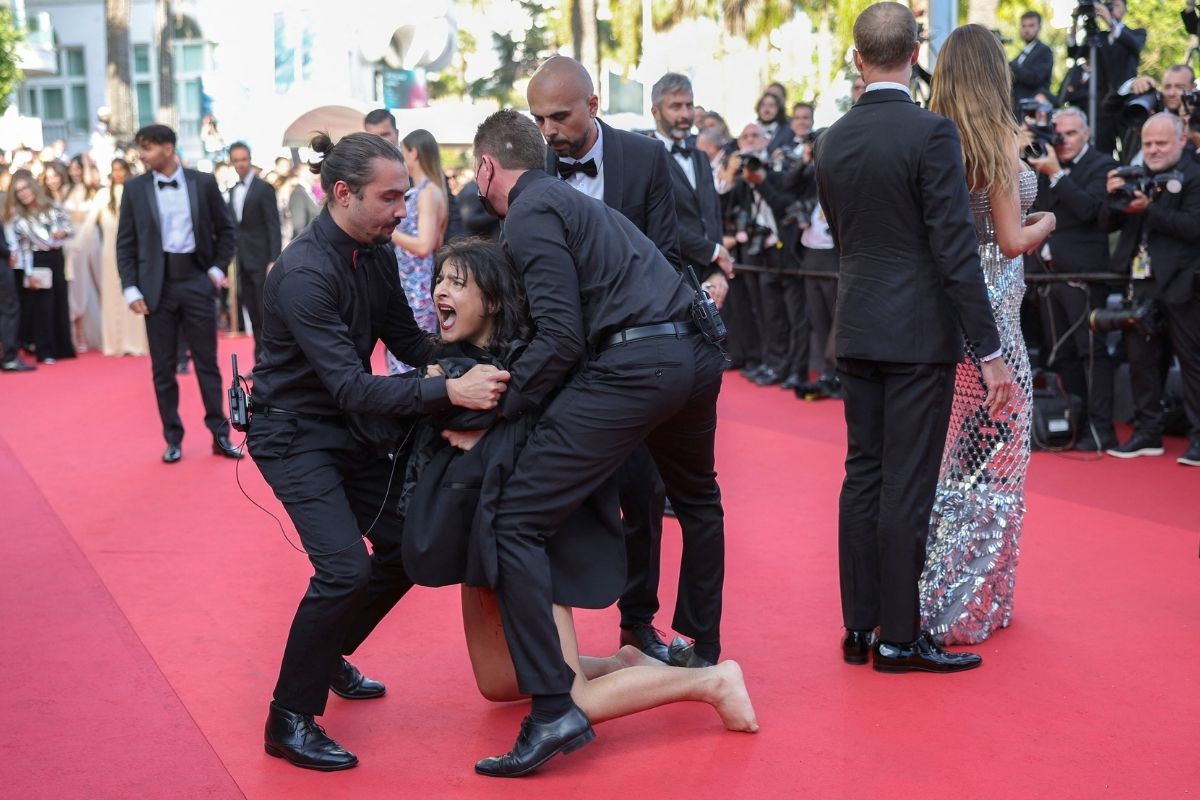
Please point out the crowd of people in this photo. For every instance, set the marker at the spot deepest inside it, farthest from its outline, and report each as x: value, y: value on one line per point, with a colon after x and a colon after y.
x: 551, y: 340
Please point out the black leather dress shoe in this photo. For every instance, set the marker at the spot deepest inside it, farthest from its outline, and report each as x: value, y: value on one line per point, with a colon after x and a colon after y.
x: 683, y: 654
x: 223, y: 447
x: 1140, y: 444
x: 646, y: 639
x: 768, y: 377
x: 922, y: 655
x: 297, y: 739
x: 751, y: 371
x: 172, y: 454
x: 856, y: 647
x: 537, y: 744
x: 351, y: 684
x: 791, y: 382
x: 1088, y: 443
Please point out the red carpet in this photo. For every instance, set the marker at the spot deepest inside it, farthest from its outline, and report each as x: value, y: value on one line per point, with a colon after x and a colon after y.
x: 145, y: 608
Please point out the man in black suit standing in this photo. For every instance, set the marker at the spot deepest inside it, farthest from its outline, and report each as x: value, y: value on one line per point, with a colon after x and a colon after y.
x: 1032, y: 67
x: 1116, y: 62
x: 631, y: 174
x: 254, y: 206
x: 174, y: 242
x: 1071, y: 184
x: 1158, y: 249
x: 890, y: 178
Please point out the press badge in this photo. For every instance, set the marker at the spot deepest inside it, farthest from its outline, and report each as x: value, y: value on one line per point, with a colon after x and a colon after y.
x: 1140, y: 269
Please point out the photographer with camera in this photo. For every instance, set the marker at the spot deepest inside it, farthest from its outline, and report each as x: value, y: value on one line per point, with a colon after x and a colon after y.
x: 1157, y: 210
x: 1071, y: 183
x: 1032, y: 67
x: 1138, y: 98
x: 756, y: 204
x: 1118, y: 51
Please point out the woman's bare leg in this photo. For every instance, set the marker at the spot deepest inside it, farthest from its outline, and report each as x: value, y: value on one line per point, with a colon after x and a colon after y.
x: 605, y: 688
x: 627, y: 691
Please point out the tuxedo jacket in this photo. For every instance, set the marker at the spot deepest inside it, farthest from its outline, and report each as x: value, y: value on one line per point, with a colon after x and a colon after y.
x: 1118, y: 60
x: 1033, y: 74
x: 637, y: 183
x: 1172, y: 228
x: 258, y: 234
x: 139, y: 234
x: 890, y: 179
x: 698, y: 211
x: 1078, y: 243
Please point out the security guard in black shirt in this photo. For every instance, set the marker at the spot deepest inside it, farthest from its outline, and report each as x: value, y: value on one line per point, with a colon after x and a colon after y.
x: 331, y: 296
x: 613, y: 330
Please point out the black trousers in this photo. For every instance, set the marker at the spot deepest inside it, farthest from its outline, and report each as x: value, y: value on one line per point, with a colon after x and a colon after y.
x: 185, y: 307
x: 774, y: 315
x: 741, y: 320
x: 896, y: 420
x: 662, y: 391
x: 60, y: 298
x: 1078, y: 355
x: 332, y: 490
x: 36, y: 321
x: 794, y: 293
x: 250, y: 295
x: 642, y: 495
x: 1149, y: 358
x: 10, y: 313
x: 821, y: 294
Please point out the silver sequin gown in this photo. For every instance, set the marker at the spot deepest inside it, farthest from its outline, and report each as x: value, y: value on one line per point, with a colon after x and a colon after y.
x: 971, y: 561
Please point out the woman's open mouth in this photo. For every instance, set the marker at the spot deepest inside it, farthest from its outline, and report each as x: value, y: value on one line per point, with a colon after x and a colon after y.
x: 446, y: 316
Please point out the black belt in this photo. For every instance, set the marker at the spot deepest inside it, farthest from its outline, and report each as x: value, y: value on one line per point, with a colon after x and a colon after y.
x: 272, y: 411
x: 648, y: 332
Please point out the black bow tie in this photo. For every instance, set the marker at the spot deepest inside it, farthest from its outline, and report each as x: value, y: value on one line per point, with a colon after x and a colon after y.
x: 566, y: 169
x: 1066, y: 163
x: 680, y: 150
x: 174, y: 184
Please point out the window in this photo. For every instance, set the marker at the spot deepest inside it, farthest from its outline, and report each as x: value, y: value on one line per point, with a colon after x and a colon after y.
x: 191, y: 57
x: 31, y: 99
x: 53, y: 98
x: 141, y: 59
x: 73, y: 63
x: 145, y: 103
x: 79, y: 108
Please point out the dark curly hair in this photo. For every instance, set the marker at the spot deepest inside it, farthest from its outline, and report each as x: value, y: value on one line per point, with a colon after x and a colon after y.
x: 503, y: 293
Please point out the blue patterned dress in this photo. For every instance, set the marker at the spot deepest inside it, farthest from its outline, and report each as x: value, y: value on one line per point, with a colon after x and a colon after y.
x: 416, y: 278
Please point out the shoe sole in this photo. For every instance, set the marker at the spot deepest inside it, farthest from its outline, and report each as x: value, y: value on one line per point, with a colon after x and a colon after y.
x: 277, y: 752
x: 855, y: 660
x: 357, y: 696
x: 892, y: 669
x: 1188, y: 462
x: 1145, y: 451
x: 568, y: 748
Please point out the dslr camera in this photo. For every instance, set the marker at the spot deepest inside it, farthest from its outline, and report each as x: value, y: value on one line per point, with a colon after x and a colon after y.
x: 1129, y: 316
x: 1138, y: 108
x: 751, y: 162
x: 1139, y: 179
x: 1037, y: 123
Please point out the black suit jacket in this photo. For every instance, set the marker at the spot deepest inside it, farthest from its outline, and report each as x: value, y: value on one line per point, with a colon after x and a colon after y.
x: 1033, y: 74
x: 1078, y: 244
x: 1118, y: 61
x: 139, y: 235
x: 698, y: 211
x: 258, y: 234
x: 637, y: 182
x: 890, y: 178
x: 1172, y: 227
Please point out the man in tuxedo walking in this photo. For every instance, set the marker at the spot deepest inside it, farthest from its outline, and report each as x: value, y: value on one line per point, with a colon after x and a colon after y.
x: 890, y: 178
x: 631, y: 174
x: 252, y: 201
x: 1032, y: 67
x: 174, y: 242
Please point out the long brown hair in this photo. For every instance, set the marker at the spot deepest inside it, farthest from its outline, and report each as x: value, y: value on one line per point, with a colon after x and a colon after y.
x: 972, y: 87
x: 67, y: 182
x: 13, y: 206
x: 430, y: 160
x: 112, y: 185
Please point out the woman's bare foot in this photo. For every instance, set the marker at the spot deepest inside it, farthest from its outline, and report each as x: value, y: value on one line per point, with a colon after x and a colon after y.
x: 630, y: 656
x: 730, y: 698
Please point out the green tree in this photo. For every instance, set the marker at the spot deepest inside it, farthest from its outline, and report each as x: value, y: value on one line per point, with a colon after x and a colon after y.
x: 10, y: 68
x: 120, y: 96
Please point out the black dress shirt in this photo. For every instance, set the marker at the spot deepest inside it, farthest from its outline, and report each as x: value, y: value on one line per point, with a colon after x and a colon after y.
x: 326, y: 303
x: 588, y: 273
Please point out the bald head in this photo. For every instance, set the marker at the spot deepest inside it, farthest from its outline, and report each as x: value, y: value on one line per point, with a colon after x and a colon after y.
x: 1163, y: 140
x: 563, y: 103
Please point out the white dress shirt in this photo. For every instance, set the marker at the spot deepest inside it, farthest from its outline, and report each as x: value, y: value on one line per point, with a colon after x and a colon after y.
x: 887, y: 85
x: 237, y: 194
x: 592, y: 187
x: 684, y: 162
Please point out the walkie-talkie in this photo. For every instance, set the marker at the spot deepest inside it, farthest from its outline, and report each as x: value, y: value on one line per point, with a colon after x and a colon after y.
x: 239, y: 405
x: 705, y: 313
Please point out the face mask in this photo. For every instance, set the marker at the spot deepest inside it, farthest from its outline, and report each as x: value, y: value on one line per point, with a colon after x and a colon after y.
x: 483, y: 201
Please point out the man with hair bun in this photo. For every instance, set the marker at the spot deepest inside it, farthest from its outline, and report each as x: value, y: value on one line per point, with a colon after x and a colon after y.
x: 331, y: 296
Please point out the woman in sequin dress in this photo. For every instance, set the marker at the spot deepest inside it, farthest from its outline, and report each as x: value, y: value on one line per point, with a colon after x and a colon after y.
x: 419, y: 235
x: 971, y: 561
